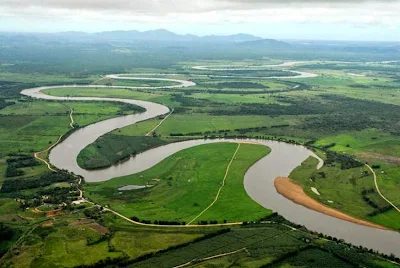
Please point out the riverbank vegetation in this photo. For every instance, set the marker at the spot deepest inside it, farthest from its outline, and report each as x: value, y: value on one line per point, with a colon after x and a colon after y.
x: 110, y: 149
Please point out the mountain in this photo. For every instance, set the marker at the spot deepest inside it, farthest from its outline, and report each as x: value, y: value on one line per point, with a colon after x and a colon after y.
x: 154, y: 35
x: 265, y: 43
x: 236, y: 38
x: 159, y: 35
x: 165, y: 35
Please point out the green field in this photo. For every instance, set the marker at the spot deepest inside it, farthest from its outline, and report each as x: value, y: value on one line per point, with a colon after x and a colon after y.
x: 203, y: 123
x: 263, y: 246
x: 185, y: 184
x: 366, y: 141
x: 237, y: 98
x: 99, y: 92
x: 69, y: 242
x: 135, y: 83
x: 39, y: 123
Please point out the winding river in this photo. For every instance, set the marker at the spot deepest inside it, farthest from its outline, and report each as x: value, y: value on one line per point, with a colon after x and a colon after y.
x: 258, y: 181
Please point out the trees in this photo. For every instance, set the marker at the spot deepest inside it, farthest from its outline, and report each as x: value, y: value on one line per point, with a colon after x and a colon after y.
x: 6, y: 233
x: 47, y: 178
x: 22, y: 161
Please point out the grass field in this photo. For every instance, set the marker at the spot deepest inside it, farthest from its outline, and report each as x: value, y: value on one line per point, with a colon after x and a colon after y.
x: 185, y: 184
x: 191, y: 123
x: 239, y: 84
x: 138, y: 129
x: 39, y: 107
x: 237, y: 98
x: 65, y: 243
x: 135, y: 83
x: 202, y: 122
x: 100, y: 92
x: 233, y: 202
x: 21, y: 77
x: 39, y: 123
x: 366, y: 141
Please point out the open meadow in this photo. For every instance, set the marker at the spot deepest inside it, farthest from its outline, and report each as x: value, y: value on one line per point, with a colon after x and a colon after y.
x: 185, y: 184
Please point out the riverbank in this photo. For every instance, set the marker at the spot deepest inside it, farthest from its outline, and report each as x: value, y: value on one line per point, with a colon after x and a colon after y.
x: 294, y: 192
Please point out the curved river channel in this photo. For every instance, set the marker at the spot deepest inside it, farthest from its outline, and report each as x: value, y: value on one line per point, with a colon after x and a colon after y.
x: 258, y: 181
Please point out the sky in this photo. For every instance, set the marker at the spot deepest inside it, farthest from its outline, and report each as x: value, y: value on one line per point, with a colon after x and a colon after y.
x: 366, y: 20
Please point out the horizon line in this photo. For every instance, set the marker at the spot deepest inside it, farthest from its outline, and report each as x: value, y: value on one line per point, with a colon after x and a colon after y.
x: 200, y: 36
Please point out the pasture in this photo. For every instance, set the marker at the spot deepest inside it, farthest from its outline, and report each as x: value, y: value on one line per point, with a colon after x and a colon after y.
x: 184, y: 184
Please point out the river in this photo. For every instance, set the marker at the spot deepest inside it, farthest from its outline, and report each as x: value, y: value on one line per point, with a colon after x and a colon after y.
x: 258, y: 181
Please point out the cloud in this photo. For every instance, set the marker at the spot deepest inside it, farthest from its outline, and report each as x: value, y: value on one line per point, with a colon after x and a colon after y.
x: 363, y: 13
x: 177, y: 6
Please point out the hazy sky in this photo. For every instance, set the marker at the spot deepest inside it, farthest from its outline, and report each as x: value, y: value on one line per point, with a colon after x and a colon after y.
x: 281, y: 19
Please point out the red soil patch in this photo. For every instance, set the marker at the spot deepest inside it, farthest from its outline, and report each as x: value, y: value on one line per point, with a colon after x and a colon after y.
x: 54, y: 213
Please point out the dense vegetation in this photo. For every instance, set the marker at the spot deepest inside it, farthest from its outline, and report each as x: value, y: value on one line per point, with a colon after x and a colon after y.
x: 111, y: 148
x: 6, y: 233
x: 228, y: 85
x: 345, y: 161
x: 13, y: 165
x: 45, y: 179
x: 335, y: 113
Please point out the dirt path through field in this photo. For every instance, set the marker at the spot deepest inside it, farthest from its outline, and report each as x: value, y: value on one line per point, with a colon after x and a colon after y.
x: 72, y: 119
x: 294, y: 192
x: 37, y: 155
x: 162, y: 121
x: 379, y: 191
x: 212, y: 257
x: 220, y: 188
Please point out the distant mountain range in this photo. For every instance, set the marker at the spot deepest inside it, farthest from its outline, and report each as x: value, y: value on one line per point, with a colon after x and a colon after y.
x: 161, y: 36
x: 265, y: 43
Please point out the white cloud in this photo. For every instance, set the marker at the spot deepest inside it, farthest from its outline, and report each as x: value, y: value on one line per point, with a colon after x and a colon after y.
x: 356, y: 13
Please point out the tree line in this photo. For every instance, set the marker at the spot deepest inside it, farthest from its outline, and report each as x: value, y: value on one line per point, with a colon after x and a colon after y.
x: 13, y: 165
x: 45, y: 179
x: 345, y: 161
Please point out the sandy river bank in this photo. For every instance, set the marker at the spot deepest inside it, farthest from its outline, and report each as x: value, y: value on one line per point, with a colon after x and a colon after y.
x: 294, y: 192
